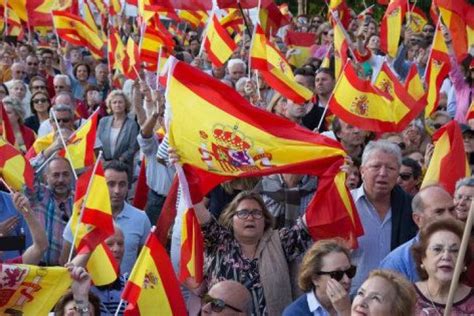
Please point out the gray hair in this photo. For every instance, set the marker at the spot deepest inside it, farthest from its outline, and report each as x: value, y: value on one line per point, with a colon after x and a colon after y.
x: 468, y: 182
x: 236, y: 61
x: 240, y: 84
x: 384, y: 146
x: 64, y: 77
x: 61, y: 108
x: 16, y: 106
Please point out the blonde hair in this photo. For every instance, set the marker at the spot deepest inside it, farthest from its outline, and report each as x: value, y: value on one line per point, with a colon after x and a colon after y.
x: 405, y: 295
x: 114, y: 94
x: 312, y: 260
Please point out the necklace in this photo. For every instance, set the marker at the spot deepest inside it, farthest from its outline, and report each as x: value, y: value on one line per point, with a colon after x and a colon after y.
x: 431, y: 300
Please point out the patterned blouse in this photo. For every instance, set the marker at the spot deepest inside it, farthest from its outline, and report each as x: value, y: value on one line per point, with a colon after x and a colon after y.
x: 424, y: 306
x: 224, y: 259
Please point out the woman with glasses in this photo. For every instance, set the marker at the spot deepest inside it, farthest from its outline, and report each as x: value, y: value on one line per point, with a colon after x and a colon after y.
x: 24, y: 136
x: 40, y: 105
x: 435, y: 255
x: 325, y: 276
x: 243, y: 247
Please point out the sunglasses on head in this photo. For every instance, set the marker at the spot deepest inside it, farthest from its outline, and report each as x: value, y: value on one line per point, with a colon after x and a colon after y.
x: 405, y: 176
x: 217, y: 305
x: 338, y: 275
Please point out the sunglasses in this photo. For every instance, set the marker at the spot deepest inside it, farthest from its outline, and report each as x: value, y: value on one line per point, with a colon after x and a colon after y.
x: 32, y: 64
x: 36, y: 101
x: 58, y: 87
x: 405, y: 176
x: 245, y: 213
x: 64, y: 120
x: 38, y: 87
x: 338, y: 275
x: 217, y: 305
x: 437, y: 125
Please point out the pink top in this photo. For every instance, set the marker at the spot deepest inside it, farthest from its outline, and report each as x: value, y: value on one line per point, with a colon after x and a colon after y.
x: 425, y: 307
x: 464, y: 91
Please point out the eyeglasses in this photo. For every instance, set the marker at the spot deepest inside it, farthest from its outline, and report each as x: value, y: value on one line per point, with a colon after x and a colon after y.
x: 405, y: 176
x: 245, y: 213
x: 217, y: 305
x: 43, y: 100
x: 58, y: 87
x: 338, y: 275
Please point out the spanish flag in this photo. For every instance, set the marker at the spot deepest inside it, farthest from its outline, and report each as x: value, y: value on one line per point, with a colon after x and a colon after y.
x: 301, y: 42
x: 152, y: 288
x: 221, y: 136
x: 80, y: 144
x: 31, y: 290
x: 470, y: 112
x: 416, y: 19
x: 274, y: 68
x: 341, y: 45
x: 115, y: 7
x: 40, y: 144
x: 74, y: 29
x: 449, y: 162
x: 414, y: 85
x: 343, y: 12
x: 437, y: 70
x: 192, y: 248
x: 6, y: 126
x: 94, y: 225
x: 154, y: 37
x: 14, y: 168
x: 116, y: 50
x: 218, y: 43
x: 335, y: 216
x: 194, y: 18
x: 457, y: 16
x: 391, y: 27
x: 233, y: 21
x: 271, y: 19
x: 357, y: 102
x: 133, y: 59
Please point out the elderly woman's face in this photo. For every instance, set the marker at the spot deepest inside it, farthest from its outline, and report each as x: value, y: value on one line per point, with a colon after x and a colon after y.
x: 248, y: 221
x: 19, y: 91
x: 375, y: 297
x: 333, y: 262
x: 117, y: 104
x: 440, y: 256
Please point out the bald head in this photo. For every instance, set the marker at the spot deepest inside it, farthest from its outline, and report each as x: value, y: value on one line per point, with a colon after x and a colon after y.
x: 234, y: 295
x: 432, y: 202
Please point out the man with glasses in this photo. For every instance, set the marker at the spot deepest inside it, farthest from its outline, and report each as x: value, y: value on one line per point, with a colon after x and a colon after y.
x: 431, y: 203
x: 409, y: 176
x: 61, y: 83
x: 463, y: 197
x: 227, y: 298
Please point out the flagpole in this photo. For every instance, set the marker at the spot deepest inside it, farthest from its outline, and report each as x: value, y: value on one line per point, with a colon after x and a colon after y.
x: 118, y: 307
x: 68, y: 155
x: 83, y: 206
x: 11, y: 192
x: 344, y: 32
x: 204, y: 33
x: 252, y: 37
x: 45, y: 162
x: 321, y: 120
x: 245, y: 19
x: 158, y: 69
x: 258, y: 86
x: 458, y: 269
x: 431, y: 49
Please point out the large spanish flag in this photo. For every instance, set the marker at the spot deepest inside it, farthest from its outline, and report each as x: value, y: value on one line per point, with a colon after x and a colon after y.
x: 449, y: 161
x: 75, y: 30
x: 152, y: 288
x: 391, y: 27
x: 274, y: 68
x: 301, y: 42
x: 221, y: 136
x: 154, y: 37
x: 218, y: 43
x: 31, y: 290
x: 437, y: 70
x: 80, y: 144
x: 357, y: 102
x: 14, y: 168
x: 335, y: 216
x: 94, y: 225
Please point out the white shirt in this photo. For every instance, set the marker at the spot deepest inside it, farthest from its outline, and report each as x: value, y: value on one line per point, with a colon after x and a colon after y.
x: 315, y: 306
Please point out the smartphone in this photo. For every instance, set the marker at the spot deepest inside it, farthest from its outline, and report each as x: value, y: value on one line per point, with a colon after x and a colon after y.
x: 8, y: 243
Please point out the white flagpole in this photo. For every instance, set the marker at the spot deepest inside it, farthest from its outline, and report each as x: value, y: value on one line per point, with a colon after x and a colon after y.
x: 68, y: 155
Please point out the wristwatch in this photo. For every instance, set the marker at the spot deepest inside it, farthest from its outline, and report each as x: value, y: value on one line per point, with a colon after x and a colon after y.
x: 82, y: 308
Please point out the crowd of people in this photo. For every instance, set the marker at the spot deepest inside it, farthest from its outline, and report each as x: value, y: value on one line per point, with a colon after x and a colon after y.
x: 259, y: 258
